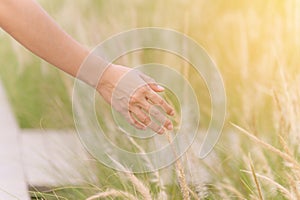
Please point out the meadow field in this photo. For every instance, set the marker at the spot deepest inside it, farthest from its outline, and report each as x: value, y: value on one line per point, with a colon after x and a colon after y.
x: 256, y: 46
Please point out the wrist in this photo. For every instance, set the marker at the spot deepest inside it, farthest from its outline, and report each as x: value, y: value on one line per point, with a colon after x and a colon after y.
x: 92, y: 69
x: 110, y: 79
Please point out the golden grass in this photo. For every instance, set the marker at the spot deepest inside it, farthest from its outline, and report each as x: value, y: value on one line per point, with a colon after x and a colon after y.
x: 180, y: 172
x: 138, y: 184
x: 269, y: 147
x: 287, y: 194
x: 260, y: 196
x: 256, y: 45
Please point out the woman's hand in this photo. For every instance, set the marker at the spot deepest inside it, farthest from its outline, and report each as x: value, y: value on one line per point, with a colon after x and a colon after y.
x: 130, y: 92
x: 134, y: 95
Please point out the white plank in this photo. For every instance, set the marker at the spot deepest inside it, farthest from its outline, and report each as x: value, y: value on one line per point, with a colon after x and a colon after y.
x: 12, y: 178
x: 55, y: 158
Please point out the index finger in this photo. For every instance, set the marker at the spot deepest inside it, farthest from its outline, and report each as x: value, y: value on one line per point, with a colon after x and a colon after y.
x: 158, y: 100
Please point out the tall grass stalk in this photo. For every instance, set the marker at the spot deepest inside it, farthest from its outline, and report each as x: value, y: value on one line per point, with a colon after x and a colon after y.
x: 255, y: 180
x: 284, y: 155
x: 256, y: 45
x: 157, y: 179
x: 139, y: 185
x: 286, y: 193
x: 180, y: 172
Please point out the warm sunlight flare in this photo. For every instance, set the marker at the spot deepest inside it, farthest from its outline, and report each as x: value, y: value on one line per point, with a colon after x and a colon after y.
x: 256, y: 48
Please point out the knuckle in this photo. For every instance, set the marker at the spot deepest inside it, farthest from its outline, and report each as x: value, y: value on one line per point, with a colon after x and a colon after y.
x: 134, y: 99
x: 147, y: 107
x: 166, y: 122
x: 144, y: 90
x: 146, y: 120
x: 161, y: 101
x: 131, y: 107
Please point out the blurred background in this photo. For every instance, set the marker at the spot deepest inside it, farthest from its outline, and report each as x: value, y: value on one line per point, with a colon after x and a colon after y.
x: 256, y: 46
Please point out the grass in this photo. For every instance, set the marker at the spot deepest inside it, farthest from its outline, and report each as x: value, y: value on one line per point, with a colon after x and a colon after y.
x: 35, y: 90
x: 256, y: 45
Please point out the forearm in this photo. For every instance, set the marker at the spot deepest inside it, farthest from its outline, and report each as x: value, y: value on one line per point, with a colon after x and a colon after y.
x: 30, y: 25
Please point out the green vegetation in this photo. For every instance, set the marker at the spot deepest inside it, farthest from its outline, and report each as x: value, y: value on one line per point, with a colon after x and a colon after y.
x: 256, y: 45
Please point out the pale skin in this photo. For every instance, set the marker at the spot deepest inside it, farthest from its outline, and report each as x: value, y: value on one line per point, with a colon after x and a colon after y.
x: 31, y: 26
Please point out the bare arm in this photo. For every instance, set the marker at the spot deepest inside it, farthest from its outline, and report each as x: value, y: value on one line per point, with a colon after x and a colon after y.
x: 30, y: 25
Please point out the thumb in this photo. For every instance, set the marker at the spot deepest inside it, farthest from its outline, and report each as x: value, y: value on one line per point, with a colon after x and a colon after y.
x: 152, y: 83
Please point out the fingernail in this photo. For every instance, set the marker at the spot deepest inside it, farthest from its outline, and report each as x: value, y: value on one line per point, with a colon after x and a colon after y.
x: 170, y: 126
x: 160, y: 87
x: 172, y: 113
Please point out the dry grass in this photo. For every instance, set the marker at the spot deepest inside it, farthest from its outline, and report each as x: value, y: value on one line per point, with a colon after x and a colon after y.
x: 256, y: 45
x: 260, y: 196
x: 138, y: 184
x: 288, y: 158
x: 180, y: 173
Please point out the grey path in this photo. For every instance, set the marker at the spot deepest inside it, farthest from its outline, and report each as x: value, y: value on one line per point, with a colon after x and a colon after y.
x: 55, y: 158
x: 38, y: 157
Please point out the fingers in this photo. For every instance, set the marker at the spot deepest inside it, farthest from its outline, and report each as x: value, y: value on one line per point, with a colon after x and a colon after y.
x: 150, y: 91
x: 145, y: 119
x: 145, y: 105
x: 152, y: 83
x: 156, y: 128
x: 159, y: 119
x: 156, y: 88
x: 141, y: 115
x: 132, y: 121
x: 144, y: 94
x: 144, y: 102
x: 158, y: 100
